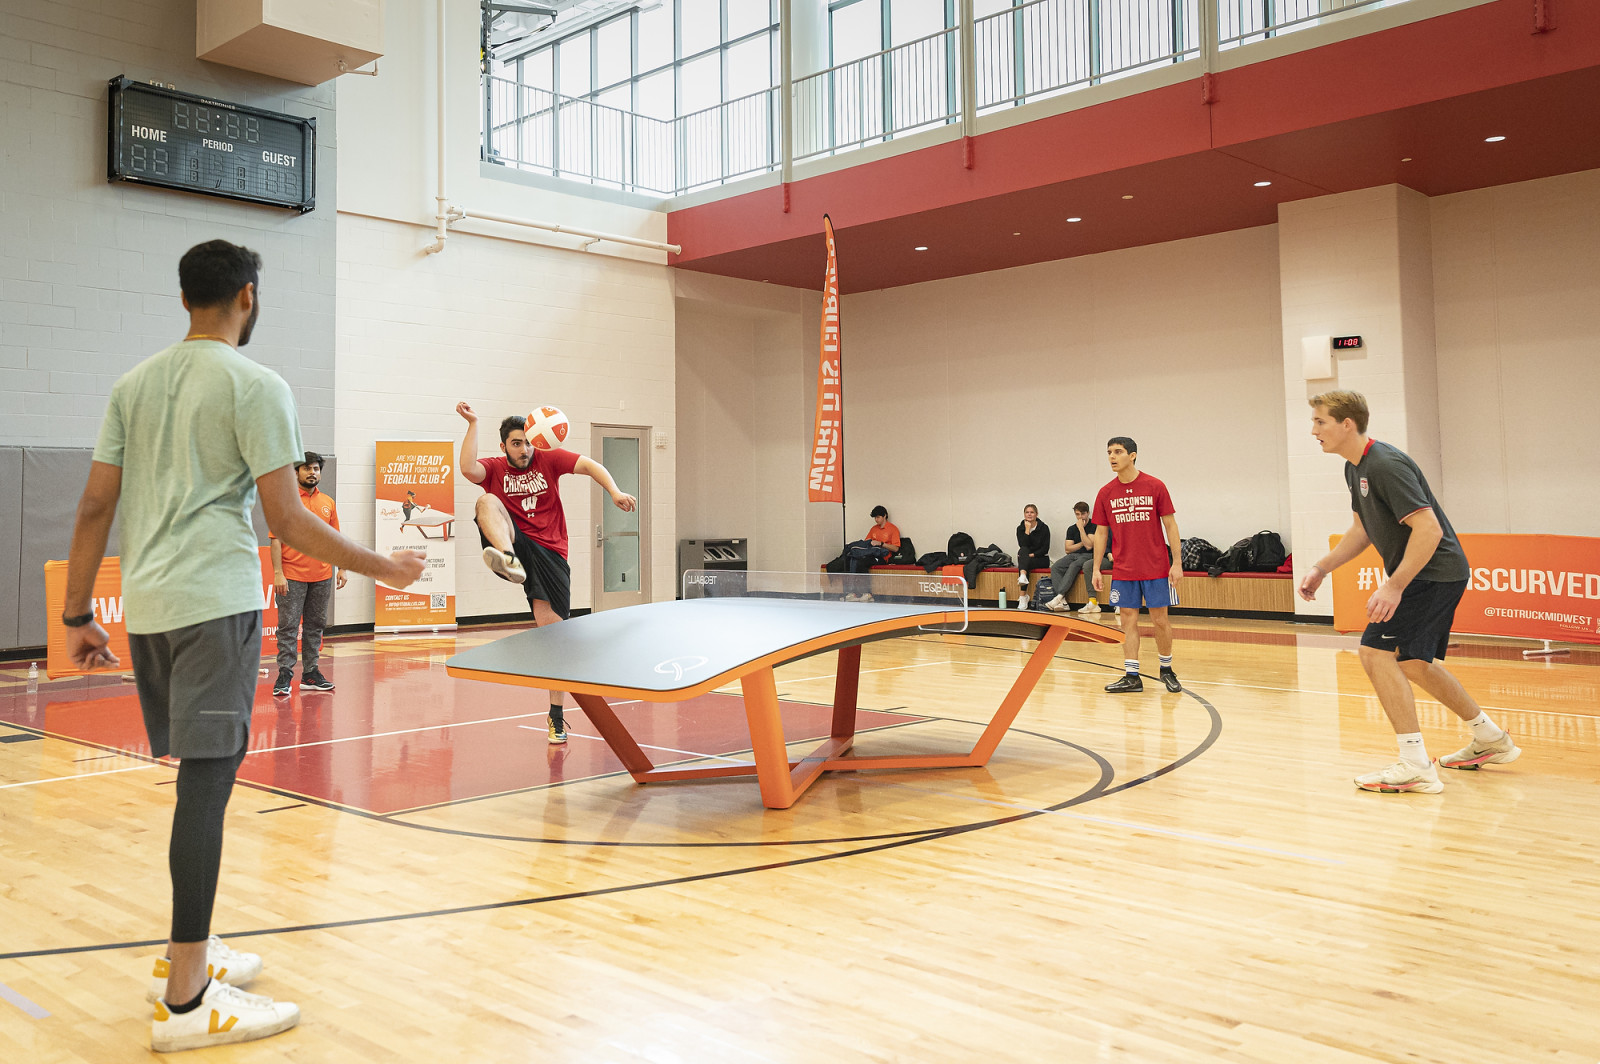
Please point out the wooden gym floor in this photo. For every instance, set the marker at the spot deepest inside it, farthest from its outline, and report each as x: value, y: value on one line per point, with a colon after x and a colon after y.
x: 1154, y: 877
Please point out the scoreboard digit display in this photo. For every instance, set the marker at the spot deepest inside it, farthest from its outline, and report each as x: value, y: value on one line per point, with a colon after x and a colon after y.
x: 171, y: 139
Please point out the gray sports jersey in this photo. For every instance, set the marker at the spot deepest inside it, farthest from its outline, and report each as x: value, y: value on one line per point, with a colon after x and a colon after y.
x: 1385, y: 487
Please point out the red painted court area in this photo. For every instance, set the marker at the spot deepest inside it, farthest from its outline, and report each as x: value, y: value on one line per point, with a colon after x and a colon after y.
x: 399, y: 734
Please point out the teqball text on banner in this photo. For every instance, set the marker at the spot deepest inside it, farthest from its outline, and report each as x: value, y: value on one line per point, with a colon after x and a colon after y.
x: 414, y: 497
x: 827, y: 450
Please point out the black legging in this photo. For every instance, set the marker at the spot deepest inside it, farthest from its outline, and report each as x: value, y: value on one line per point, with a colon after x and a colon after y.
x: 1027, y: 562
x: 195, y: 853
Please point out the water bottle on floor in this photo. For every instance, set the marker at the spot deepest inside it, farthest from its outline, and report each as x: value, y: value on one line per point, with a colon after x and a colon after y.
x: 33, y: 678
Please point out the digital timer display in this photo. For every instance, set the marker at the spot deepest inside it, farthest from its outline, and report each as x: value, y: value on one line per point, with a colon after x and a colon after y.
x: 1346, y: 342
x: 160, y: 136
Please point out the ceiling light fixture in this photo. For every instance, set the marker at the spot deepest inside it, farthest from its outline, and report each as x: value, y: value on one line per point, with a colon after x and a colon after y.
x: 1016, y: 234
x: 1262, y: 184
x: 1493, y: 140
x: 1074, y: 219
x: 1127, y: 197
x: 919, y: 249
x: 1406, y: 159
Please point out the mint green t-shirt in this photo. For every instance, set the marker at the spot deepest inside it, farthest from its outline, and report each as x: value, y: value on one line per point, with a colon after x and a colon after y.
x: 192, y: 428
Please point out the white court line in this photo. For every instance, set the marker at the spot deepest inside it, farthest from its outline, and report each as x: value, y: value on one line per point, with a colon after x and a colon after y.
x: 1123, y: 824
x: 80, y: 776
x: 34, y: 1010
x: 413, y: 731
x: 647, y: 746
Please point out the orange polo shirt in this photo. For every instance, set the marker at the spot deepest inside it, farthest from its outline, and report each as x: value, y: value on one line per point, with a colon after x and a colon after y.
x: 888, y: 535
x: 303, y: 567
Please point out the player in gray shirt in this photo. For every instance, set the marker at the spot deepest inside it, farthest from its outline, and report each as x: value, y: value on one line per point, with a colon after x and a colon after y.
x: 1410, y: 614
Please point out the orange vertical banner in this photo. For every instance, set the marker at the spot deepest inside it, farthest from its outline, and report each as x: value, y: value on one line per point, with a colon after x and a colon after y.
x: 827, y: 448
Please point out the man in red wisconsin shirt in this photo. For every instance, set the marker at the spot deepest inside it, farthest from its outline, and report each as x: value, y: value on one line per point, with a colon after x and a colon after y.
x: 1147, y: 566
x: 522, y: 526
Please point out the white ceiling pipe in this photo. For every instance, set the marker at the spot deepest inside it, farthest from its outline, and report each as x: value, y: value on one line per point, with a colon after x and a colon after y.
x: 554, y: 227
x: 442, y: 219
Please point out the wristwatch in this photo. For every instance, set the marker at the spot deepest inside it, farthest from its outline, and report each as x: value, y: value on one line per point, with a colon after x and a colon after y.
x: 78, y: 621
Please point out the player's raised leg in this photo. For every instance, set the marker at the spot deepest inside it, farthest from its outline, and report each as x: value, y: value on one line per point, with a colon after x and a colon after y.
x: 495, y: 523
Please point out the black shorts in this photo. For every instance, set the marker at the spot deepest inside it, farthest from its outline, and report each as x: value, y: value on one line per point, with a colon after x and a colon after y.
x: 1420, y: 627
x: 197, y: 685
x: 549, y: 575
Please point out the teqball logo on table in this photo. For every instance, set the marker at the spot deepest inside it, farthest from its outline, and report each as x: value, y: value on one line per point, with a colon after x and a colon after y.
x: 678, y: 666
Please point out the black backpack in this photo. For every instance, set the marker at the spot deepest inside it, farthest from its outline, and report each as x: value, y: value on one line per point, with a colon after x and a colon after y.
x: 1236, y: 559
x: 961, y: 547
x: 906, y: 555
x: 1198, y: 555
x: 1266, y: 552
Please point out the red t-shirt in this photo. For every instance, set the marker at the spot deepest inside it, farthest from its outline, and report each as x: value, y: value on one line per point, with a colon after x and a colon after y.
x: 530, y: 494
x: 1133, y: 512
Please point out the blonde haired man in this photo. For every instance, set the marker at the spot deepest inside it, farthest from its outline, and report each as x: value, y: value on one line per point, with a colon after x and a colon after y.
x: 1411, y: 613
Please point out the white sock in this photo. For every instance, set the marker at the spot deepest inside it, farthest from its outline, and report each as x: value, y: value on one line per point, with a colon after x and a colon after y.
x: 1412, y: 752
x: 1130, y: 666
x: 1485, y: 730
x: 1166, y: 661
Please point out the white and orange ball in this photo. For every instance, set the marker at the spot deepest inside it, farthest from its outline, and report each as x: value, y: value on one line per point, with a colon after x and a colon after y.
x: 547, y: 428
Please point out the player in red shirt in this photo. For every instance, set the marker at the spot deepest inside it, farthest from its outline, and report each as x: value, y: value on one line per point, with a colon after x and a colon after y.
x: 522, y: 525
x: 1146, y: 569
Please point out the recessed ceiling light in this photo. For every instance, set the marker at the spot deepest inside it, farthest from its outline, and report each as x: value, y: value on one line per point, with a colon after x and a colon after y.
x: 1074, y: 219
x: 1016, y: 234
x: 919, y: 249
x: 1406, y: 159
x: 1127, y: 197
x: 1262, y: 184
x: 1493, y: 140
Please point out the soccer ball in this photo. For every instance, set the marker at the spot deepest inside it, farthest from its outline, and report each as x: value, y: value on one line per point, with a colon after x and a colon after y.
x: 547, y: 428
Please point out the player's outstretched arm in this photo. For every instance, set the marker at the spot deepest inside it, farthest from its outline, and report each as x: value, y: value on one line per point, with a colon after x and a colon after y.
x: 600, y: 475
x: 467, y: 460
x: 296, y: 526
x: 1354, y: 542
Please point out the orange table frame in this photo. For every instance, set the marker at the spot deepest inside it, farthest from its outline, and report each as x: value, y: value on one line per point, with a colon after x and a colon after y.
x: 783, y: 779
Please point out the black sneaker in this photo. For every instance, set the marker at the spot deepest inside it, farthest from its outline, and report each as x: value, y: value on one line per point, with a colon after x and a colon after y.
x: 1129, y: 682
x: 1170, y: 678
x: 281, y: 687
x: 315, y: 681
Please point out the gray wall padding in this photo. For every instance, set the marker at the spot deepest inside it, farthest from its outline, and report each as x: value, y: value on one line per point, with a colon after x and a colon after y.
x: 53, y: 479
x: 10, y: 543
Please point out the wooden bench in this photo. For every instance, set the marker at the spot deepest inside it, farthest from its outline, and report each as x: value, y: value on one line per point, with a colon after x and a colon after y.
x: 1266, y: 593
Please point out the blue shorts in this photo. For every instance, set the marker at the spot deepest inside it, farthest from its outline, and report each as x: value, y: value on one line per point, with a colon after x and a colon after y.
x: 1131, y: 594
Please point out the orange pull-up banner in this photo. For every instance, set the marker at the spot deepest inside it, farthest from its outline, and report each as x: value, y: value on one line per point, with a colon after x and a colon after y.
x: 827, y: 446
x: 1524, y: 586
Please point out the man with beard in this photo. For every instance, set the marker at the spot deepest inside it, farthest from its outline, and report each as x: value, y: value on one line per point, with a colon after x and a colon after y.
x: 522, y: 525
x: 190, y: 436
x: 304, y: 587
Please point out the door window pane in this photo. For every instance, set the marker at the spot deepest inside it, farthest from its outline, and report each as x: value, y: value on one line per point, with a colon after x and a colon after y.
x: 620, y: 555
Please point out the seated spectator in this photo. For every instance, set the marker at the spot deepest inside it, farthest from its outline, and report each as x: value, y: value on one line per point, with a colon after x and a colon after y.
x: 1033, y: 546
x: 883, y: 539
x: 1079, y: 556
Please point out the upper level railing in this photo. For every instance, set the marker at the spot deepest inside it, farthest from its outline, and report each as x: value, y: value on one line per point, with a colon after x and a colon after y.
x: 1037, y: 49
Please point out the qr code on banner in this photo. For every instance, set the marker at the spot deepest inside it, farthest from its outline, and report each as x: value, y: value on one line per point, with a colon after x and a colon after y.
x: 436, y: 602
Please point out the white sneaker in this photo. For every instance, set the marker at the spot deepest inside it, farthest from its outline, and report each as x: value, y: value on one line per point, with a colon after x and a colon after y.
x: 1059, y: 603
x: 1089, y: 607
x: 222, y: 964
x: 1500, y: 752
x: 1022, y: 603
x: 1022, y: 579
x: 225, y: 1014
x: 505, y: 565
x: 1402, y: 776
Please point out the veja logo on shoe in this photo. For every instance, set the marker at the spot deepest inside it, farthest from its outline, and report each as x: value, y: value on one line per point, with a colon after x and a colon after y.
x: 219, y: 974
x: 163, y: 968
x: 221, y: 1028
x: 162, y: 1015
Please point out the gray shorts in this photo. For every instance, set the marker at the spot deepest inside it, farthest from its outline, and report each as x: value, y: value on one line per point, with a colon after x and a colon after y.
x: 197, y: 685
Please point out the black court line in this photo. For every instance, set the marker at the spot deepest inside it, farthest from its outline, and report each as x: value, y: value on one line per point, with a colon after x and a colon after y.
x: 1100, y: 789
x: 281, y: 808
x: 20, y: 738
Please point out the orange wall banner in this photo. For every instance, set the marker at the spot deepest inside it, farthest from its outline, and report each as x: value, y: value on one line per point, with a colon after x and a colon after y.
x: 414, y: 499
x: 827, y: 449
x: 108, y: 611
x: 1529, y: 587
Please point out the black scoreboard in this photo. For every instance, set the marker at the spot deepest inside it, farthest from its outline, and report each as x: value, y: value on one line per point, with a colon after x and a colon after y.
x: 160, y: 136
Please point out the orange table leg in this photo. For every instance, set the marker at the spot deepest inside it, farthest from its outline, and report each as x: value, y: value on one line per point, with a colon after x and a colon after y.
x: 846, y: 683
x: 616, y: 736
x: 766, y: 739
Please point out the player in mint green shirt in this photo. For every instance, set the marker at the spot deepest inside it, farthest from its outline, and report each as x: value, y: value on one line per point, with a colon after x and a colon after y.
x: 191, y: 435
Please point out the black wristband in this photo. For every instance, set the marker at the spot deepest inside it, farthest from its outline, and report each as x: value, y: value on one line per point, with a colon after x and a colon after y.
x: 78, y: 621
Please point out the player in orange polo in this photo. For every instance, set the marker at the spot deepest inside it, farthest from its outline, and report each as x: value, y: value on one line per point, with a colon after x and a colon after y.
x: 304, y: 588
